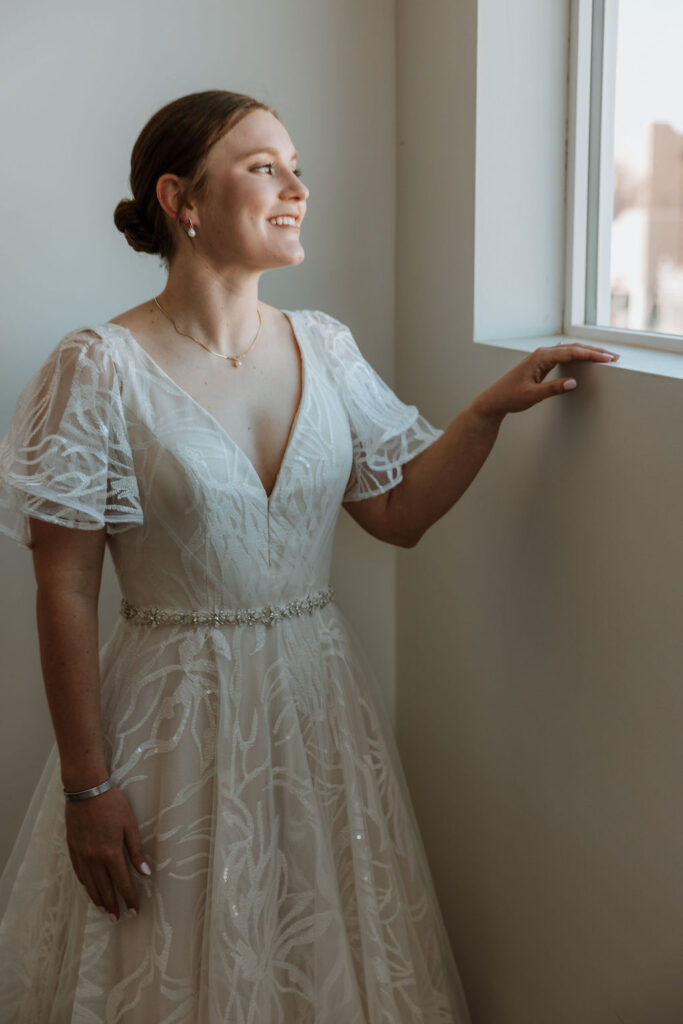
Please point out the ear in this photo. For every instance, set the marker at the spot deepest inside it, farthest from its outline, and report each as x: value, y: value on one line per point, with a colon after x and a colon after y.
x: 170, y: 190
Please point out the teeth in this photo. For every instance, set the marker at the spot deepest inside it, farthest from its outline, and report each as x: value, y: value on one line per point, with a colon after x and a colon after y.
x: 282, y: 220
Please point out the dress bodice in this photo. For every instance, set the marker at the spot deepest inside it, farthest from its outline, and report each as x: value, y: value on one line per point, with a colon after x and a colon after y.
x: 103, y: 436
x: 210, y: 536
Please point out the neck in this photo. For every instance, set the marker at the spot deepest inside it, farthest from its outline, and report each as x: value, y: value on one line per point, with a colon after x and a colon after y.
x: 219, y: 310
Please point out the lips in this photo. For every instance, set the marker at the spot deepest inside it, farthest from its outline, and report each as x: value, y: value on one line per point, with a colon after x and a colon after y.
x: 295, y: 217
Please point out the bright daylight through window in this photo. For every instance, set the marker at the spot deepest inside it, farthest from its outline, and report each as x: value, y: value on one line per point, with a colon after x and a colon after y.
x: 645, y: 276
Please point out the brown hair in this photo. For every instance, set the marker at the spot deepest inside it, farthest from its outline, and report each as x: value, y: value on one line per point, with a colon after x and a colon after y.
x: 175, y: 140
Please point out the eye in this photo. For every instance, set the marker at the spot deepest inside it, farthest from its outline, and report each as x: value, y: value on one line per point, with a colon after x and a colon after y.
x: 297, y: 170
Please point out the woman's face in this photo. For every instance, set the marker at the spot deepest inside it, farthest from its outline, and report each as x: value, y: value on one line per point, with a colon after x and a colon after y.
x: 251, y: 179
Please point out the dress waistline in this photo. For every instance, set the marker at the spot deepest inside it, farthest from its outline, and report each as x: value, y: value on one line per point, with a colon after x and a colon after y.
x: 267, y: 614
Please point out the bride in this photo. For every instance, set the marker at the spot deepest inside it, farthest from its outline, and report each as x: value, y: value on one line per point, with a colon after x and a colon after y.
x: 224, y: 831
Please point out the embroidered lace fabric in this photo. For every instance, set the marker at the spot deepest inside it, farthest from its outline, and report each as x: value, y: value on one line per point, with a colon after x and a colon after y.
x: 289, y: 883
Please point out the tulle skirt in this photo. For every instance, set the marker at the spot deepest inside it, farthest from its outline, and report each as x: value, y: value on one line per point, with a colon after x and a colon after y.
x: 289, y: 881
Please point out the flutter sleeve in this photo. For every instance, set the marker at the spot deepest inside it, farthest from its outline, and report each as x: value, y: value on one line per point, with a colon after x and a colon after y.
x: 67, y: 458
x: 386, y: 433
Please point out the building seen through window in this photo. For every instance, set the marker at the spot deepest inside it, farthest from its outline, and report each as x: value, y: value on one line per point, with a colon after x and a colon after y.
x: 646, y: 252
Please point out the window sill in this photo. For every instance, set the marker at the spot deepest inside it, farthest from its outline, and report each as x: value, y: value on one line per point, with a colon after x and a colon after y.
x: 640, y: 360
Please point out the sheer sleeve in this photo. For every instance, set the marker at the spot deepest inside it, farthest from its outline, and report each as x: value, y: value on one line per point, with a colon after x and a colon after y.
x: 385, y: 432
x: 66, y: 458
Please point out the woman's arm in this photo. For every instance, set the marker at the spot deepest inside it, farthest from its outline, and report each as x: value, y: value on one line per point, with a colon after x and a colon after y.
x: 432, y: 481
x: 436, y: 478
x: 68, y: 569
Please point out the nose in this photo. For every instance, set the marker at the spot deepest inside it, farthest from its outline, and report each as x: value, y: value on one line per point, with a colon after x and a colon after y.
x: 295, y: 186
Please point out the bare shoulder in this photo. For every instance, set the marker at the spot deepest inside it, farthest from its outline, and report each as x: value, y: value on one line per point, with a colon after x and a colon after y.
x: 147, y: 326
x: 274, y: 319
x: 139, y: 318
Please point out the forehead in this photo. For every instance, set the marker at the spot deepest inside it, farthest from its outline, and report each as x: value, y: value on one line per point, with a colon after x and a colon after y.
x: 256, y: 131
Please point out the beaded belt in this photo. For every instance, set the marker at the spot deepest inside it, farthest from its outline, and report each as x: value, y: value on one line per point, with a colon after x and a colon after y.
x: 268, y: 614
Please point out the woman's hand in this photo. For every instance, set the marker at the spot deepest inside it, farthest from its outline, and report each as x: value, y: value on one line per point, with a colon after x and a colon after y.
x: 522, y: 386
x: 98, y: 830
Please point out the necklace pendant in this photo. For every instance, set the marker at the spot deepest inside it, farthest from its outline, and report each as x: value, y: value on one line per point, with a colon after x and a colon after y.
x: 236, y: 360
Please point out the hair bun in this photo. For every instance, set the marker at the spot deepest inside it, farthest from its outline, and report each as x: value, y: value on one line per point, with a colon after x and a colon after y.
x: 129, y: 221
x: 176, y: 140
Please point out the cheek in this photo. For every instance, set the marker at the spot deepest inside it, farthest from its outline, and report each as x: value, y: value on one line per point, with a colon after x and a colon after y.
x: 252, y: 189
x: 243, y: 221
x: 254, y: 205
x: 243, y: 196
x: 245, y: 203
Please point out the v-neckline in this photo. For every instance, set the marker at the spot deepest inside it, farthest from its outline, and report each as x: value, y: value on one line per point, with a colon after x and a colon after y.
x: 219, y: 426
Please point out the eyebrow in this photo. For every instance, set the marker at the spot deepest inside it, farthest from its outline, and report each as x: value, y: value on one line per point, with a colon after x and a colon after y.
x: 267, y: 149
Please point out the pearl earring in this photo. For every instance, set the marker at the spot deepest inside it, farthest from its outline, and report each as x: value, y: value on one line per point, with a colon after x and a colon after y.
x: 191, y: 231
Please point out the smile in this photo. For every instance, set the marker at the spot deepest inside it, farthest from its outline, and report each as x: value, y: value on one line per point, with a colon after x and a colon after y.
x: 283, y: 222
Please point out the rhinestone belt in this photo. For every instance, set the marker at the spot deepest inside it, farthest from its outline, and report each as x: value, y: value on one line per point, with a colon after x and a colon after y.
x: 268, y: 614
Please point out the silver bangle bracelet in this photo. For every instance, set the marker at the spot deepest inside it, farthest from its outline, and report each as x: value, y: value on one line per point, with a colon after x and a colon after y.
x: 83, y: 794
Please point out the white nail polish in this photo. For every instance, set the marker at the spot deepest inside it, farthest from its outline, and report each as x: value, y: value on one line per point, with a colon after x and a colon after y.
x: 569, y: 384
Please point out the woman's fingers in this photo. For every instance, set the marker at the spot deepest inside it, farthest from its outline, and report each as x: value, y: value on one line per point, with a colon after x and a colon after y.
x: 134, y: 845
x: 581, y: 344
x: 567, y: 353
x: 112, y: 877
x: 102, y: 879
x: 548, y: 358
x: 522, y: 386
x: 121, y: 876
x: 554, y: 387
x: 543, y: 360
x: 86, y: 878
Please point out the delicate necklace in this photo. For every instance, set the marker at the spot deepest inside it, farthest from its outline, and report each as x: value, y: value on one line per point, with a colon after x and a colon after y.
x: 236, y: 360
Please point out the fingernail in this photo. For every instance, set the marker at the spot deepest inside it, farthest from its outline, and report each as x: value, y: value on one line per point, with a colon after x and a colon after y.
x: 569, y: 385
x: 145, y: 868
x: 113, y: 917
x: 131, y: 912
x: 102, y: 910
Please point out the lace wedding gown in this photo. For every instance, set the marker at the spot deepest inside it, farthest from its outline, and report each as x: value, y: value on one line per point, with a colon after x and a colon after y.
x: 289, y: 881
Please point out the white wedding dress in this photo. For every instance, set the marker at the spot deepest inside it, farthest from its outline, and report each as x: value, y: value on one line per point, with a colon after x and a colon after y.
x: 289, y: 881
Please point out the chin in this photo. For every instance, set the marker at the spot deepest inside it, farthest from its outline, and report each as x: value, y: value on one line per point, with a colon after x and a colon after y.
x: 288, y: 261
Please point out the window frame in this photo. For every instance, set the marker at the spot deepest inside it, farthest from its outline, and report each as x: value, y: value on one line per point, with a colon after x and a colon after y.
x: 590, y: 197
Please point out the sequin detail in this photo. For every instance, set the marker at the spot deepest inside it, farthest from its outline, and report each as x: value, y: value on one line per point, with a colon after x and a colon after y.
x: 267, y: 615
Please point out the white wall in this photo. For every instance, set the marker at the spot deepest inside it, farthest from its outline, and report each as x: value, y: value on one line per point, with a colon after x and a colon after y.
x: 539, y: 695
x: 80, y: 79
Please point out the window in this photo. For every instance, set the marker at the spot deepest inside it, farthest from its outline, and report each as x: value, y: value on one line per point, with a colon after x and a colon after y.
x: 625, y: 174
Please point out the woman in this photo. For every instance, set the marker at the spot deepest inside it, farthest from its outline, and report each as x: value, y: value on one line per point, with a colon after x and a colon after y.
x: 235, y: 841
